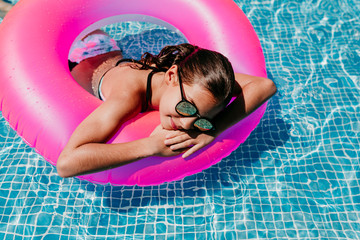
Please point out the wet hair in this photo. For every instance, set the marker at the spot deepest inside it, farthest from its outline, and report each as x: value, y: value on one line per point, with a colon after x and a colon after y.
x: 210, y: 69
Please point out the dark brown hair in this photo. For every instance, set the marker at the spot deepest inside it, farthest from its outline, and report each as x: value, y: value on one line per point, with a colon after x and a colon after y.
x: 210, y: 69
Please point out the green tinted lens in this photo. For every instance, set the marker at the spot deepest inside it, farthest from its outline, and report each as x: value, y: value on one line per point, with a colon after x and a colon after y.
x: 186, y: 109
x: 203, y: 124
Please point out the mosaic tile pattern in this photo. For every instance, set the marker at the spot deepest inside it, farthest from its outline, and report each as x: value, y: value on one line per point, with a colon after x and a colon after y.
x: 296, y: 177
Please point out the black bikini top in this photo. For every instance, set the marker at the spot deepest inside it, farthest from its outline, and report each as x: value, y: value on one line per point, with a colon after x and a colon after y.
x: 148, y: 84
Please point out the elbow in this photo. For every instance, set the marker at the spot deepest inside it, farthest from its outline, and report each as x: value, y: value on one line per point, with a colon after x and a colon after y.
x: 63, y: 166
x: 273, y: 88
x: 270, y: 87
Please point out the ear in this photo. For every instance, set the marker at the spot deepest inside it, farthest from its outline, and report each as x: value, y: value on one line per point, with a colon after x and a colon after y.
x: 171, y: 75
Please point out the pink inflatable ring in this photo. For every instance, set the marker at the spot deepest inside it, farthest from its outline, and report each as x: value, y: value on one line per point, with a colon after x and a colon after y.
x: 44, y: 104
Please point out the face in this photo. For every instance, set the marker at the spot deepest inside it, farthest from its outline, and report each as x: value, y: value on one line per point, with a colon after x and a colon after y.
x: 200, y: 97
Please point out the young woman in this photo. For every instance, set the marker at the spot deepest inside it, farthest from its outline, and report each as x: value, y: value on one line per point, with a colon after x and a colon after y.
x: 189, y: 86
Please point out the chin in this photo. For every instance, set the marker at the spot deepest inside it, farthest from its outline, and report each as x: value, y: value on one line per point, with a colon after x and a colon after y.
x: 165, y: 126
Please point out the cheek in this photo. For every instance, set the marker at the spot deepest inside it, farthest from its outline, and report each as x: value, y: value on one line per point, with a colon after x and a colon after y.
x: 167, y: 112
x: 164, y: 112
x: 167, y: 105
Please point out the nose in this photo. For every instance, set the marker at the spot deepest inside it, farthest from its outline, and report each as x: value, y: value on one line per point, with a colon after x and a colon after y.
x: 187, y: 122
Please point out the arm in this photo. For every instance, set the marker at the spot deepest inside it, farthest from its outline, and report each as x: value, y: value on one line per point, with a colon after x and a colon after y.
x: 86, y: 151
x: 250, y: 92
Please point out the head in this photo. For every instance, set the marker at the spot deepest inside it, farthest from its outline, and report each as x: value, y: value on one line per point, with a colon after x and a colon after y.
x: 206, y: 77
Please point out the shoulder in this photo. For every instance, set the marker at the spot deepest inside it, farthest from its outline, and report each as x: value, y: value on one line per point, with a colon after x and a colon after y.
x: 126, y: 85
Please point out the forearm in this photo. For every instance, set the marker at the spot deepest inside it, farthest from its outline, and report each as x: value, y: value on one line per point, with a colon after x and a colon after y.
x: 253, y: 95
x: 94, y: 157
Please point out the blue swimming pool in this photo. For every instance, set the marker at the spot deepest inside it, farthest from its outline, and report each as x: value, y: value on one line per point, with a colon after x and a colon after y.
x: 296, y: 177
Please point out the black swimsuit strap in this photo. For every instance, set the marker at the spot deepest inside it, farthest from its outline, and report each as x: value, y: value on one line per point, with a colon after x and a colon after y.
x: 148, y: 84
x: 148, y: 88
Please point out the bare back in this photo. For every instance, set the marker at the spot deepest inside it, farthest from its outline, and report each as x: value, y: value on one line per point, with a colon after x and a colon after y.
x: 123, y: 82
x: 124, y: 88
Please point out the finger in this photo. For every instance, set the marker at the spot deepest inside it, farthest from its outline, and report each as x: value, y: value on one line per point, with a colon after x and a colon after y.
x: 177, y: 139
x: 178, y: 151
x: 191, y: 151
x: 181, y: 145
x: 175, y: 152
x: 173, y: 134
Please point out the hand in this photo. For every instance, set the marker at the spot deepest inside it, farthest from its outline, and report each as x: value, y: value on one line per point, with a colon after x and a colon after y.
x: 189, y: 140
x: 158, y: 137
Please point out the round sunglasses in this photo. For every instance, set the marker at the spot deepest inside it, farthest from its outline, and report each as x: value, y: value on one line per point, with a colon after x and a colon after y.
x: 186, y: 109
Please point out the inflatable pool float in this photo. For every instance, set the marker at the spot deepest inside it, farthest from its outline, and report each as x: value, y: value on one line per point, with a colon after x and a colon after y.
x: 44, y: 104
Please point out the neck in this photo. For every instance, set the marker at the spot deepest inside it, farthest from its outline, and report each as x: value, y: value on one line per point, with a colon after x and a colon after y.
x: 156, y: 90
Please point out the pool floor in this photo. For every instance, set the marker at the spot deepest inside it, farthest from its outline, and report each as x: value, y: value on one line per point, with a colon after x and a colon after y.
x: 295, y: 177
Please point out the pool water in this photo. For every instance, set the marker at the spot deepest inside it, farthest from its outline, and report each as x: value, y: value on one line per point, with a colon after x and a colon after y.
x: 296, y: 177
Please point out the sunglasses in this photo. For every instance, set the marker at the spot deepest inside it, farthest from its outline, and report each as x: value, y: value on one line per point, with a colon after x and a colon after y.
x: 186, y: 109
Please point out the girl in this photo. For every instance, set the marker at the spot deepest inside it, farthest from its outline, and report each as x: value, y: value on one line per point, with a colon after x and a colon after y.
x: 188, y: 85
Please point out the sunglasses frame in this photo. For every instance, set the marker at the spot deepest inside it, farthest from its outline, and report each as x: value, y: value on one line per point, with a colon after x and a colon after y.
x: 183, y: 99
